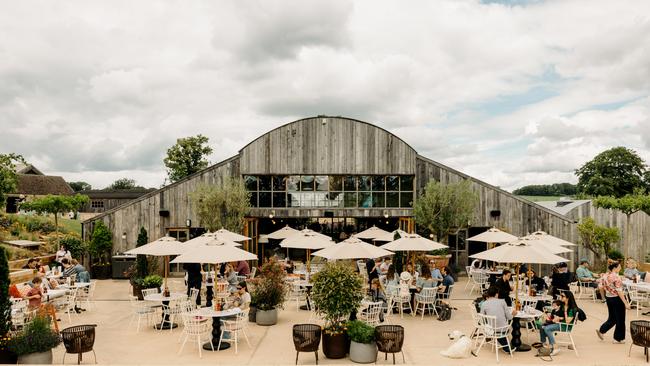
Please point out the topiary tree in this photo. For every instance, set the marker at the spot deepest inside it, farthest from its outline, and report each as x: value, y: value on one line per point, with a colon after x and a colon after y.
x: 141, y: 264
x: 337, y: 291
x: 629, y: 205
x: 74, y: 244
x: 5, y: 302
x: 101, y: 244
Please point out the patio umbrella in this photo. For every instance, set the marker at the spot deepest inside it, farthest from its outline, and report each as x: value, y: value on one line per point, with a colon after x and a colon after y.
x: 283, y: 233
x: 307, y: 239
x: 518, y: 252
x: 412, y: 243
x: 372, y: 233
x: 352, y: 248
x: 552, y: 239
x: 205, y: 238
x: 391, y: 236
x: 549, y: 246
x: 493, y: 235
x: 163, y: 247
x: 230, y: 236
x: 214, y: 251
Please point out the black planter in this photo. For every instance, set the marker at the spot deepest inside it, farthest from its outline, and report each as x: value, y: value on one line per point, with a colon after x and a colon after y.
x: 101, y: 272
x: 137, y: 291
x: 8, y: 357
x: 252, y: 314
x: 335, y: 346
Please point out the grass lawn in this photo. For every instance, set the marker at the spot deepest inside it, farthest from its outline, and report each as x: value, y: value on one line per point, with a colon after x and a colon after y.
x: 540, y: 198
x: 71, y: 225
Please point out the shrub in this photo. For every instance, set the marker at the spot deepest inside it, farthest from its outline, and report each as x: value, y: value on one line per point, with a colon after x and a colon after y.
x: 142, y: 266
x: 615, y: 255
x: 270, y: 291
x: 152, y: 281
x: 100, y: 244
x: 360, y: 332
x: 74, y: 244
x: 336, y: 293
x: 6, y: 222
x: 38, y: 336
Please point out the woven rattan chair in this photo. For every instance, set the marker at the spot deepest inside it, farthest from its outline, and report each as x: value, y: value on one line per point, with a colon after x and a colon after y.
x: 306, y: 338
x: 640, y: 331
x: 390, y: 339
x: 79, y: 339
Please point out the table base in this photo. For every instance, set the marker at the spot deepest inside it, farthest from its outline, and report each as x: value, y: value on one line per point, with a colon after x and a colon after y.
x: 166, y: 326
x: 523, y: 348
x: 208, y: 347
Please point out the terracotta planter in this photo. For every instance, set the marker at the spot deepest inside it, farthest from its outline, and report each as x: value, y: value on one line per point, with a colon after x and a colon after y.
x: 266, y: 317
x: 40, y: 358
x: 441, y: 260
x: 335, y: 346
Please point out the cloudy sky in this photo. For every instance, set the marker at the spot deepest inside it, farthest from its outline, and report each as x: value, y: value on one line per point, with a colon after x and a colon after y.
x: 511, y: 92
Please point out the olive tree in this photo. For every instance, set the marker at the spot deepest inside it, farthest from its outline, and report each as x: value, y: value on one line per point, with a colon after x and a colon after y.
x: 629, y: 205
x: 597, y: 238
x: 222, y: 206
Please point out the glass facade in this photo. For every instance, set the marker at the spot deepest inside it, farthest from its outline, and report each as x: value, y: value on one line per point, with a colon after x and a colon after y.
x: 330, y: 191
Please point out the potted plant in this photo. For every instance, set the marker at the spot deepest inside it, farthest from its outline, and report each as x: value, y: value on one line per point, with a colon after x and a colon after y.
x: 34, y: 344
x: 269, y: 293
x: 337, y: 291
x: 362, y: 342
x: 440, y: 256
x: 6, y: 355
x: 100, y: 247
x: 151, y: 281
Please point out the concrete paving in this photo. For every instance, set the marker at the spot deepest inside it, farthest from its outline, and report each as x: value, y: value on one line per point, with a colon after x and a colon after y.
x: 118, y: 343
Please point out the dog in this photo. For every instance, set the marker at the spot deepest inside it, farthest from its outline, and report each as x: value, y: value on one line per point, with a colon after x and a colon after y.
x: 461, y: 348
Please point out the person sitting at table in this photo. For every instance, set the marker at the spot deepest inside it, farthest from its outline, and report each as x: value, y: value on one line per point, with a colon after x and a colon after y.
x: 243, y: 269
x: 435, y: 272
x: 538, y: 284
x: 504, y: 287
x: 585, y: 275
x: 425, y: 280
x: 31, y: 264
x: 497, y: 307
x: 447, y: 282
x: 391, y: 277
x: 377, y: 294
x: 35, y: 294
x: 383, y: 268
x: 63, y: 252
x: 560, y: 279
x: 409, y: 268
x: 243, y: 300
x: 231, y: 276
x: 631, y: 270
x: 564, y: 310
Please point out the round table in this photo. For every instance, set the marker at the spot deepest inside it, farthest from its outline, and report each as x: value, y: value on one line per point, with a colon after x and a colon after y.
x: 216, y: 325
x: 515, y: 342
x: 165, y: 323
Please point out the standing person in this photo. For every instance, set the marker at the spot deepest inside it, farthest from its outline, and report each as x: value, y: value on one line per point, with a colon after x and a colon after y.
x: 371, y: 268
x: 194, y: 279
x: 243, y: 269
x: 504, y: 287
x: 560, y: 279
x: 35, y: 294
x: 383, y: 269
x: 496, y: 307
x: 616, y: 304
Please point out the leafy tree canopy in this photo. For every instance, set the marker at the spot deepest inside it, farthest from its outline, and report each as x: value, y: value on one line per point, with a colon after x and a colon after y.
x: 80, y: 186
x: 225, y: 206
x: 597, y: 238
x: 614, y: 172
x: 123, y: 184
x: 556, y: 189
x: 101, y: 243
x: 187, y: 157
x: 56, y: 205
x: 8, y: 178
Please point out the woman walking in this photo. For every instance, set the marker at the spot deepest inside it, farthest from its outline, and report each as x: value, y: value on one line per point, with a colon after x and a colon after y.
x: 616, y: 304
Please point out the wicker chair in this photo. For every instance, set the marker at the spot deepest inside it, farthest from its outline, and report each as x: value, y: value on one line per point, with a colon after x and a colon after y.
x: 390, y: 339
x: 306, y: 338
x: 640, y: 331
x: 79, y: 339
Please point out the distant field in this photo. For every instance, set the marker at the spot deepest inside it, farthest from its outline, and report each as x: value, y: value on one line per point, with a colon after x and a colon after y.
x: 541, y: 198
x: 71, y: 225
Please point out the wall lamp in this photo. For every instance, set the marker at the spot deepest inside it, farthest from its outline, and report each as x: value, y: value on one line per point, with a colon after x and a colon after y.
x: 385, y: 214
x: 188, y: 223
x: 272, y: 214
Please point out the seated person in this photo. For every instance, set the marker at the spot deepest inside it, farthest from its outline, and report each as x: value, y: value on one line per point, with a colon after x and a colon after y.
x: 32, y: 263
x: 585, y: 275
x: 504, y: 287
x: 377, y: 294
x: 493, y: 306
x: 538, y: 284
x: 564, y: 310
x: 231, y: 276
x: 412, y: 272
x: 435, y: 272
x: 35, y: 294
x: 243, y: 298
x: 631, y: 270
x: 560, y: 279
x: 425, y: 280
x: 391, y: 277
x: 243, y: 269
x: 447, y: 282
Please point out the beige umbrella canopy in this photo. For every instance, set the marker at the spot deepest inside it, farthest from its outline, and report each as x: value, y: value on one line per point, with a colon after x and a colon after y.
x: 391, y: 236
x: 372, y: 233
x: 413, y: 243
x: 552, y: 239
x: 163, y: 247
x: 205, y: 238
x: 546, y: 245
x: 214, y: 251
x: 307, y: 239
x: 229, y: 235
x: 352, y: 248
x: 493, y: 235
x: 283, y: 233
x: 519, y: 251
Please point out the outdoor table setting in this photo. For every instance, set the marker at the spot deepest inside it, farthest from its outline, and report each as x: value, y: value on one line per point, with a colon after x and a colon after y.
x: 216, y: 315
x: 527, y: 313
x: 159, y: 297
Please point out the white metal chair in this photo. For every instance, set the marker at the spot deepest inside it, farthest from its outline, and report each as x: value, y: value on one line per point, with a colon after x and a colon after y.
x: 197, y: 328
x: 253, y: 272
x: 468, y: 270
x: 67, y: 303
x: 141, y: 310
x: 194, y: 294
x: 585, y: 288
x: 564, y: 335
x: 19, y: 313
x: 297, y: 293
x: 492, y: 334
x: 171, y: 310
x: 638, y: 298
x: 371, y: 314
x: 234, y: 328
x: 476, y: 332
x: 426, y: 299
x: 399, y: 296
x: 479, y: 279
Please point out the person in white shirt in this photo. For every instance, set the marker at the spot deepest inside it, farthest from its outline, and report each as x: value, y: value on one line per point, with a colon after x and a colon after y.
x: 244, y: 300
x: 383, y: 269
x: 62, y: 253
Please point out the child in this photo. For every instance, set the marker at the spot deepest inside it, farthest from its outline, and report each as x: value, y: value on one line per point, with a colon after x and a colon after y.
x: 35, y: 295
x: 556, y: 313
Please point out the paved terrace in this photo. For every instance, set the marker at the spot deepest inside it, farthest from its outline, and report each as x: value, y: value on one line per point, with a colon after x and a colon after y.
x: 117, y: 343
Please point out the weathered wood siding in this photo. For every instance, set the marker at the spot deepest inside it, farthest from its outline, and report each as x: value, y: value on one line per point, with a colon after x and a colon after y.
x: 639, y: 228
x: 328, y: 145
x: 518, y: 216
x: 145, y: 211
x: 109, y: 204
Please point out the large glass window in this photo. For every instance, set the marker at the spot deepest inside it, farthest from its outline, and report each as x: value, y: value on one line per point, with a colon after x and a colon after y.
x: 366, y: 191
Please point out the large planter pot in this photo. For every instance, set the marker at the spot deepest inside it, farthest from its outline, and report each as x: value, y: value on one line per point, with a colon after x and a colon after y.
x: 252, y: 314
x: 363, y: 352
x: 8, y: 357
x: 441, y: 260
x: 266, y: 317
x: 137, y: 291
x: 101, y: 272
x: 335, y: 346
x: 40, y: 358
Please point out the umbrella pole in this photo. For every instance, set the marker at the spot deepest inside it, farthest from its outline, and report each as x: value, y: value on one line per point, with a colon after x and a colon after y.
x: 166, y: 270
x: 530, y: 281
x: 308, y: 261
x: 517, y: 286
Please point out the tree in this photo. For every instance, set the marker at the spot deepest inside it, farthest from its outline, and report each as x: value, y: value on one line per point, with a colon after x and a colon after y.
x: 614, y: 172
x: 556, y: 189
x: 8, y: 179
x: 141, y: 264
x: 5, y: 302
x: 225, y: 206
x: 123, y: 184
x: 187, y: 157
x: 629, y: 204
x: 597, y: 238
x: 443, y: 207
x: 56, y: 205
x: 101, y: 243
x: 80, y: 186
